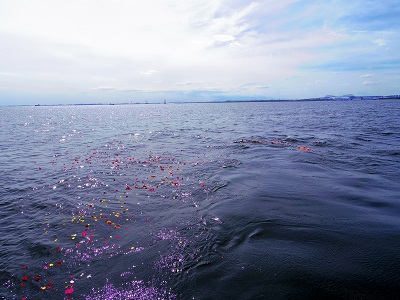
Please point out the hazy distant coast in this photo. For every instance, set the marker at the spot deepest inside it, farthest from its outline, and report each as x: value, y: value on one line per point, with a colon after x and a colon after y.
x: 325, y: 98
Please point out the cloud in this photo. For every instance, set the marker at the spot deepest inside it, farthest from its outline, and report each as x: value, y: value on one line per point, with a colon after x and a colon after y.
x: 71, y: 47
x: 9, y: 74
x: 254, y: 86
x: 262, y: 86
x: 223, y: 40
x: 367, y: 82
x: 188, y: 83
x: 380, y: 42
x: 149, y: 72
x: 316, y: 82
x: 104, y: 88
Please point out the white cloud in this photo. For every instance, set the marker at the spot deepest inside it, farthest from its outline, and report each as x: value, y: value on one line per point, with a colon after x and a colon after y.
x: 9, y: 74
x: 149, y: 72
x: 253, y: 86
x: 316, y: 82
x: 367, y: 82
x: 156, y: 45
x: 380, y: 42
x: 223, y: 38
x: 104, y: 88
x: 188, y: 83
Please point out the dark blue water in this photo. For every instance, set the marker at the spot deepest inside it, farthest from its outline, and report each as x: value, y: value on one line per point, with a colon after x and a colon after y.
x: 201, y: 201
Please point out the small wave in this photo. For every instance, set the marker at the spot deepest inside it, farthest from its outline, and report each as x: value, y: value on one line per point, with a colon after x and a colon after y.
x: 230, y: 163
x: 362, y: 138
x: 40, y: 250
x: 321, y: 144
x: 394, y: 153
x: 387, y: 133
x: 218, y: 186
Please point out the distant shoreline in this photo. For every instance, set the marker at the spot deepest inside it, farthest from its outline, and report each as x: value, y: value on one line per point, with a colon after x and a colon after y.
x: 352, y: 98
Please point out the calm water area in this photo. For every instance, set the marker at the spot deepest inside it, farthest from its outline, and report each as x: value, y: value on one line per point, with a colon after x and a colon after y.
x: 278, y: 200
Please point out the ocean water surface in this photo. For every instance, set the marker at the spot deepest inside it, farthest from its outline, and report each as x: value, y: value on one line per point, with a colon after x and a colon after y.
x: 290, y: 200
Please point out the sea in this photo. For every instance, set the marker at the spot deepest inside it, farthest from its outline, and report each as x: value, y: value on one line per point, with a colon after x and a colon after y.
x: 238, y: 200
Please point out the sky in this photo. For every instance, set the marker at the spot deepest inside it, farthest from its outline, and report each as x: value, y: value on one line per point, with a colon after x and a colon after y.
x: 113, y: 51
